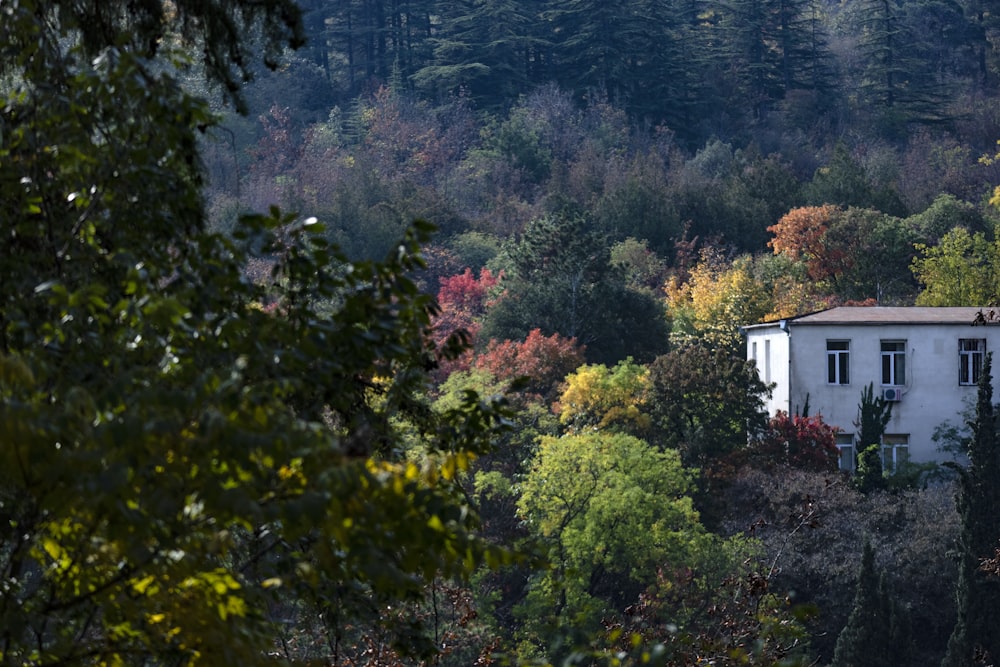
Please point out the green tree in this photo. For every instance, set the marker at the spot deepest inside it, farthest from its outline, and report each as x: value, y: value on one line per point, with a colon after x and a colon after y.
x: 706, y: 402
x: 611, y: 510
x: 976, y: 638
x: 843, y: 182
x: 874, y: 251
x: 239, y: 445
x: 874, y: 413
x: 561, y: 280
x: 877, y: 633
x: 961, y: 270
x: 944, y: 214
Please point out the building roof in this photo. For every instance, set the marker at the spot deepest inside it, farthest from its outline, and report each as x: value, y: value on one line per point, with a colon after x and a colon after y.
x: 860, y: 315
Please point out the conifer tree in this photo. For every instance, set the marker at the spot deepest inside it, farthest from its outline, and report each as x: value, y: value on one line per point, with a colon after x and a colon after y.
x: 877, y: 633
x: 976, y: 637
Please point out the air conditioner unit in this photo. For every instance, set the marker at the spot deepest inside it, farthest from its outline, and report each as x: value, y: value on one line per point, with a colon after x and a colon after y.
x: 892, y: 393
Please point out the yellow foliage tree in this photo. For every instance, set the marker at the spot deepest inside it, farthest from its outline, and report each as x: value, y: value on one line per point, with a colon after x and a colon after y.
x: 600, y: 398
x: 718, y: 297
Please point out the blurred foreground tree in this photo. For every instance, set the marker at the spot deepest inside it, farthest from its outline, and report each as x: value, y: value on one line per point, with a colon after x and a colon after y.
x: 189, y: 459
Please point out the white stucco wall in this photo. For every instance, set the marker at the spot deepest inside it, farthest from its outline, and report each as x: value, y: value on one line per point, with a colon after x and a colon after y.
x: 768, y: 346
x: 931, y: 394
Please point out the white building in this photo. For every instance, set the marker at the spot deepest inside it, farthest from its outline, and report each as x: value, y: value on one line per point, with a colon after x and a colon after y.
x: 926, y: 360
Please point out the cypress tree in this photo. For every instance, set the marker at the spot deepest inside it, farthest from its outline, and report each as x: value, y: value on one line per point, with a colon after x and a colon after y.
x: 862, y: 642
x: 976, y: 636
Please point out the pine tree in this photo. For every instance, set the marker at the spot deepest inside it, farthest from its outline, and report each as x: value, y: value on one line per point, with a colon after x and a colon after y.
x: 595, y: 45
x: 976, y: 637
x: 490, y: 50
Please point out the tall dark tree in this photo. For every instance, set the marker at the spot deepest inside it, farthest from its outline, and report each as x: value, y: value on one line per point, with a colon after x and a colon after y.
x: 596, y: 45
x: 749, y: 34
x: 976, y: 637
x: 772, y: 47
x: 898, y: 82
x: 370, y: 42
x: 705, y: 401
x: 675, y: 67
x: 877, y: 633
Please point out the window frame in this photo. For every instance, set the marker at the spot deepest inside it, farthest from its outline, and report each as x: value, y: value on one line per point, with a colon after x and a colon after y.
x: 846, y: 445
x: 893, y: 363
x: 895, y: 451
x: 970, y: 361
x: 838, y: 362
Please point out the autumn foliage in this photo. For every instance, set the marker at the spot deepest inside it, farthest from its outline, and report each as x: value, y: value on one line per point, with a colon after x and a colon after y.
x: 462, y: 300
x: 807, y: 443
x: 544, y: 360
x: 800, y: 234
x: 596, y: 397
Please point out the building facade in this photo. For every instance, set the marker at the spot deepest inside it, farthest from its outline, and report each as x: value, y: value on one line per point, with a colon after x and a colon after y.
x: 926, y: 361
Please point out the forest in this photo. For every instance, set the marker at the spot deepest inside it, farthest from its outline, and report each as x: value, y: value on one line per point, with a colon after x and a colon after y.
x: 407, y: 332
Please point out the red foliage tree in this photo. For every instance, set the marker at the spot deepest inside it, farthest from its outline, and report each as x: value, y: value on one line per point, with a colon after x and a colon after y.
x: 466, y: 293
x: 462, y: 299
x: 807, y: 443
x: 544, y: 360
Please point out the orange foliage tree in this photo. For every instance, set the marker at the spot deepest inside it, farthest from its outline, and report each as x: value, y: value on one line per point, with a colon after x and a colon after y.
x: 801, y: 235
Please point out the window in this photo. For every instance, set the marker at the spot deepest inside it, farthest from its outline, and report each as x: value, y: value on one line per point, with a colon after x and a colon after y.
x: 894, y: 362
x: 845, y: 443
x: 838, y: 357
x: 971, y: 352
x: 895, y: 451
x: 767, y: 361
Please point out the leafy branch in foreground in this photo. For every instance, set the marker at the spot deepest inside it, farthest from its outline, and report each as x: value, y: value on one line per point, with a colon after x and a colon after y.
x: 188, y: 458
